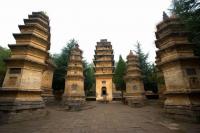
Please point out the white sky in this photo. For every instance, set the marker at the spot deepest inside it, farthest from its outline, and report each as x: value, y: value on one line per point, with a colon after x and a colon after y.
x: 123, y: 22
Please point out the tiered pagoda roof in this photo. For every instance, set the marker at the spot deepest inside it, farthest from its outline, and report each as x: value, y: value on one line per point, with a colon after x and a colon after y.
x: 104, y: 58
x: 33, y: 39
x: 172, y: 42
x: 133, y: 70
x: 75, y: 66
x: 25, y: 67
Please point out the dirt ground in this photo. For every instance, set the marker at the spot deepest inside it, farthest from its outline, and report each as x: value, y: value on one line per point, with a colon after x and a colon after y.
x: 103, y: 118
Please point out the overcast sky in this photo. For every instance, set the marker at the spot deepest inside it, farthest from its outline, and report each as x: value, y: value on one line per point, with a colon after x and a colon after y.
x: 123, y: 22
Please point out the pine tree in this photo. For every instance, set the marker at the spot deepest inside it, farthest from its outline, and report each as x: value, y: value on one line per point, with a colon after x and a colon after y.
x: 119, y: 74
x: 61, y: 61
x: 144, y: 64
x: 4, y: 53
x: 89, y: 78
x: 149, y: 75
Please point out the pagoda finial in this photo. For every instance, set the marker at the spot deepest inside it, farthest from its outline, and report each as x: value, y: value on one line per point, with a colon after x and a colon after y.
x: 165, y: 16
x: 76, y: 45
x: 103, y: 40
x: 131, y: 53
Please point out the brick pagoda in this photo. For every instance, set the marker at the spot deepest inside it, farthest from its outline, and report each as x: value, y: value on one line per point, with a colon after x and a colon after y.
x: 104, y: 68
x: 22, y: 84
x: 180, y: 67
x: 74, y: 83
x: 134, y: 95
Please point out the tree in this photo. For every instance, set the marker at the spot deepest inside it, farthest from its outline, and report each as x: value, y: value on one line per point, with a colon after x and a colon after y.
x: 61, y: 61
x: 4, y: 53
x: 119, y: 74
x: 148, y: 69
x: 189, y: 13
x: 152, y: 79
x: 142, y: 57
x: 89, y: 78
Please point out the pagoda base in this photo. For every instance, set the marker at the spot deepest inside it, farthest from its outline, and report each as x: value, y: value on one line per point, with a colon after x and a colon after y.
x: 7, y: 106
x: 48, y: 97
x: 104, y: 99
x: 14, y: 99
x: 75, y: 103
x: 186, y: 113
x: 134, y: 100
x: 183, y: 105
x: 22, y: 115
x: 19, y: 105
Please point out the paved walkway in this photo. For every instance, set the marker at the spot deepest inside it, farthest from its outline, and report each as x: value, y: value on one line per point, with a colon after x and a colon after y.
x: 102, y: 118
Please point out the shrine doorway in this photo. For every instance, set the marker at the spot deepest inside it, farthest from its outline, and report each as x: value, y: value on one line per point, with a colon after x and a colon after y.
x: 103, y: 91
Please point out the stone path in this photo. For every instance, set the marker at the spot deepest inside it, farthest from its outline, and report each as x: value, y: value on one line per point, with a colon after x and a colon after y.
x: 102, y: 118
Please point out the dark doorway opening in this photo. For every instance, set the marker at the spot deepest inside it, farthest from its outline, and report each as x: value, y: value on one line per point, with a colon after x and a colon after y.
x: 104, y: 91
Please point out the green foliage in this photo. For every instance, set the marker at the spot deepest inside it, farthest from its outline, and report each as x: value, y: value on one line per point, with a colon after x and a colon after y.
x: 142, y: 57
x: 189, y: 13
x: 61, y: 61
x: 89, y: 78
x: 152, y: 80
x: 119, y: 74
x: 4, y: 53
x: 149, y: 75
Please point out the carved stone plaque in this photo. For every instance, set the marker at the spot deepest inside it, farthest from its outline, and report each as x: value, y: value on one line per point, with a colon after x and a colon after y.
x: 134, y: 87
x: 74, y: 88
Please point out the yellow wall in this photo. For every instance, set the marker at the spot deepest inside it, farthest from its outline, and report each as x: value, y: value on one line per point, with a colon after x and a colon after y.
x: 108, y: 86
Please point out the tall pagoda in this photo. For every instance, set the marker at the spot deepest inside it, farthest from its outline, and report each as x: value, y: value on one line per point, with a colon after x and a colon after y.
x: 104, y: 68
x: 134, y: 95
x: 22, y: 84
x: 180, y: 67
x: 74, y: 83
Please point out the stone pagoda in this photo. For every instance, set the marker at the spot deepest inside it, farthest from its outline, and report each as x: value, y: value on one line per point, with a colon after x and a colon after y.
x: 180, y: 67
x: 104, y: 68
x: 134, y: 95
x: 74, y: 83
x: 47, y: 79
x: 22, y: 84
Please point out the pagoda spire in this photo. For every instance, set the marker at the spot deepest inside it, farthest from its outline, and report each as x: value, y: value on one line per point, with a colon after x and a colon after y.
x: 21, y: 88
x: 134, y: 95
x: 104, y: 68
x: 74, y: 83
x: 175, y: 58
